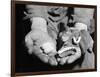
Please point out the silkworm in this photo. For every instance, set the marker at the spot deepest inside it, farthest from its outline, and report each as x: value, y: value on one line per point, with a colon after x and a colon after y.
x: 65, y: 49
x: 77, y: 41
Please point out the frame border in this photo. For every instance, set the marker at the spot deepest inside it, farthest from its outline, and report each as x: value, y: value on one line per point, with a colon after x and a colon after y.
x: 13, y: 38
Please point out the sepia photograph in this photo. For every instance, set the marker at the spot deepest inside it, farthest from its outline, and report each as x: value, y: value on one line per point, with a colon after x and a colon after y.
x: 52, y: 38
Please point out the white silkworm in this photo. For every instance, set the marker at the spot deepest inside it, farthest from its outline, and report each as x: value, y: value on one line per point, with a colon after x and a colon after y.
x: 65, y: 49
x: 76, y: 41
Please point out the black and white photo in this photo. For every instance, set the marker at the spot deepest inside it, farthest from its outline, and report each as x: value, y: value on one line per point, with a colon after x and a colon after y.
x: 54, y: 38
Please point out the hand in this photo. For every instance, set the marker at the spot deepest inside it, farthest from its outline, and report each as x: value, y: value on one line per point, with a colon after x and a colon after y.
x: 69, y: 55
x: 47, y: 59
x: 49, y: 51
x: 45, y: 52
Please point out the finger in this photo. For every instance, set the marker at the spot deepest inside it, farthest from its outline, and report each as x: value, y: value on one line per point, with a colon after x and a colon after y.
x: 58, y: 59
x: 53, y: 61
x: 74, y: 57
x: 63, y: 60
x: 52, y: 53
x: 43, y: 57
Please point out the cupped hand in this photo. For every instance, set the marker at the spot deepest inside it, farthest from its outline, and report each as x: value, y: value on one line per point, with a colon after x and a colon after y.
x: 69, y: 55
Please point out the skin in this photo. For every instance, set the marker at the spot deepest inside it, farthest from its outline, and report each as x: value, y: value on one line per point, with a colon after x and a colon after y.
x: 69, y: 58
x: 81, y: 15
x: 34, y: 44
x: 68, y: 55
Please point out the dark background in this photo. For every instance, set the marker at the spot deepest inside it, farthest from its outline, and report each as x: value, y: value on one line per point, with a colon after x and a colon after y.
x: 24, y: 61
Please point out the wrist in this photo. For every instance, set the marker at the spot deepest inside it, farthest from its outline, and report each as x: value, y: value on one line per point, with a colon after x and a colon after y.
x: 39, y: 23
